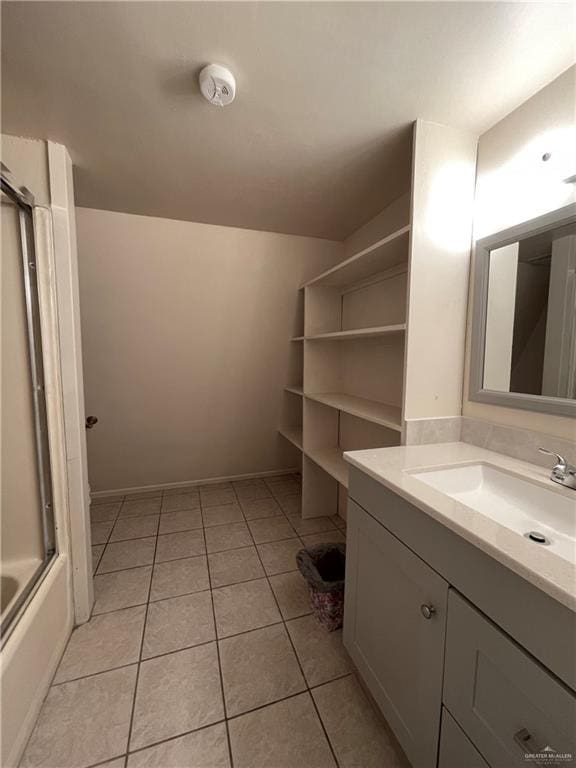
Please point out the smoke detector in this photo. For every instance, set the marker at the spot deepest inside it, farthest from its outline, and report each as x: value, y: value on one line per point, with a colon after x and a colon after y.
x: 217, y: 84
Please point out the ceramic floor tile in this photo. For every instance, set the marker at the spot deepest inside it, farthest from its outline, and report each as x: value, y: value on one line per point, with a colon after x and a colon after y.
x: 96, y: 555
x: 179, y: 490
x: 215, y: 497
x: 121, y: 589
x: 223, y: 485
x: 105, y: 642
x: 291, y: 505
x: 256, y: 509
x: 248, y: 481
x: 358, y: 734
x: 207, y: 748
x: 181, y: 520
x: 104, y: 512
x: 258, y: 668
x: 153, y: 493
x: 175, y: 502
x: 285, y: 488
x: 286, y: 734
x: 179, y: 622
x: 321, y: 653
x: 329, y: 537
x: 230, y: 536
x: 137, y: 507
x: 179, y: 577
x: 241, y: 607
x: 135, y: 527
x: 127, y: 554
x: 271, y: 529
x: 280, y: 556
x: 311, y: 525
x: 83, y: 722
x: 101, y: 531
x: 177, y: 693
x: 222, y: 514
x: 291, y: 594
x: 234, y: 565
x: 106, y: 500
x: 172, y: 546
x: 252, y: 492
x: 339, y: 522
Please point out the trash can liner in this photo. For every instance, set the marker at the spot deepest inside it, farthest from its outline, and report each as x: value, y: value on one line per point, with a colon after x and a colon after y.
x: 323, y: 567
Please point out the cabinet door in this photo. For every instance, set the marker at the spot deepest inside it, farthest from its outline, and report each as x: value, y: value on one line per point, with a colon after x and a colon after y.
x: 513, y: 710
x: 456, y: 749
x: 397, y: 649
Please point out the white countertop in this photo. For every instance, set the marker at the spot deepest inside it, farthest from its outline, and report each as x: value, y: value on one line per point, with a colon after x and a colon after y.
x: 538, y: 565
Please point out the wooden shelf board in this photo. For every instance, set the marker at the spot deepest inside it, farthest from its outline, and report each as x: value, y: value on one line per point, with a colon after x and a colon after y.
x: 295, y: 390
x: 359, y: 333
x: 293, y: 435
x: 381, y: 255
x: 297, y: 338
x: 332, y: 462
x: 379, y: 413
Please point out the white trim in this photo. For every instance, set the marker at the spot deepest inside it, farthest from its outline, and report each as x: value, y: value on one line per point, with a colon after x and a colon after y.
x: 70, y: 346
x: 188, y: 483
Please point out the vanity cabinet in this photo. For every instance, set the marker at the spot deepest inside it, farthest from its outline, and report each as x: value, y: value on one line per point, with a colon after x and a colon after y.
x: 394, y: 629
x: 509, y: 706
x: 456, y: 649
x: 456, y: 749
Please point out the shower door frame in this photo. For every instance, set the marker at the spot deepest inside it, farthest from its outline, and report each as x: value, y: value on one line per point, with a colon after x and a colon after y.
x: 24, y: 201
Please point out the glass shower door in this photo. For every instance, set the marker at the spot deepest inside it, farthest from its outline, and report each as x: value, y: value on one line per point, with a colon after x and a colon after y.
x: 27, y: 521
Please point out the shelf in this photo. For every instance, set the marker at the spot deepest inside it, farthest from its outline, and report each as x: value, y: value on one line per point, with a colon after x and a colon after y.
x: 359, y: 333
x: 293, y: 435
x: 297, y: 338
x: 379, y: 413
x: 376, y: 258
x: 331, y: 461
x: 294, y: 390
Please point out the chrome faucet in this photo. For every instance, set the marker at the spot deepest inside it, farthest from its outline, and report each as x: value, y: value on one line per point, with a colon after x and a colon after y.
x: 563, y: 473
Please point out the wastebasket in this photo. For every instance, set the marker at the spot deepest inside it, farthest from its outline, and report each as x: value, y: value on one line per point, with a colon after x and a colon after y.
x: 323, y: 567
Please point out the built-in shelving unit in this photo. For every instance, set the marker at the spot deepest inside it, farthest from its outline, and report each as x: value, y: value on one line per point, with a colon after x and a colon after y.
x: 365, y: 325
x: 359, y: 333
x: 295, y: 390
x: 380, y: 256
x: 332, y: 462
x: 293, y: 435
x: 378, y: 413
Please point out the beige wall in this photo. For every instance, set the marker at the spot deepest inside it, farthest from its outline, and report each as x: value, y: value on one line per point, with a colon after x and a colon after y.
x: 513, y: 185
x: 185, y: 331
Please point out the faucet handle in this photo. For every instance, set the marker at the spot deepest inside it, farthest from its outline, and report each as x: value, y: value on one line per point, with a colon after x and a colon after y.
x: 561, y: 461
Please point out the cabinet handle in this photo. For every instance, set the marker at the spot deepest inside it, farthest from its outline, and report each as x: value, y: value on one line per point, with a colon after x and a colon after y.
x: 427, y: 610
x: 528, y: 744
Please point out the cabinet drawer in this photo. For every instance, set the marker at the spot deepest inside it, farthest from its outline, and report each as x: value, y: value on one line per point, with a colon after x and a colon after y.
x: 506, y: 703
x: 456, y: 749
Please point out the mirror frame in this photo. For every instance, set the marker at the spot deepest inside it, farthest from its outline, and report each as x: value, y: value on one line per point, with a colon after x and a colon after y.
x: 558, y: 406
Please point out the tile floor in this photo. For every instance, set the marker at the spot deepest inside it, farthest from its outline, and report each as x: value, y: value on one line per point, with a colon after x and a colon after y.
x: 201, y: 651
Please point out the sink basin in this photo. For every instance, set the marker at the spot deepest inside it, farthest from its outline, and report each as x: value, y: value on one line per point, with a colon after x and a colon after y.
x: 515, y: 503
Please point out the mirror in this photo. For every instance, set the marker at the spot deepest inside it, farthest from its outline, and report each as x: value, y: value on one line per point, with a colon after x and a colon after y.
x: 524, y: 333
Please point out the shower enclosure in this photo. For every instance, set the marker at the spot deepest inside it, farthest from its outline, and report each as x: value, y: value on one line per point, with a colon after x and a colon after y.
x: 27, y: 521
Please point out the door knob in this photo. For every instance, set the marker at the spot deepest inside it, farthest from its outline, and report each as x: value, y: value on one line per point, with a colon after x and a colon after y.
x: 90, y: 421
x: 427, y: 611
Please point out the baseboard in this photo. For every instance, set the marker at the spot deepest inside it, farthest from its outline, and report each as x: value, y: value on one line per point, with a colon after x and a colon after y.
x: 188, y: 483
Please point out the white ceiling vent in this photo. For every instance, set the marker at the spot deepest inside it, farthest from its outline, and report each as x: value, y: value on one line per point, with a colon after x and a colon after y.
x: 217, y: 84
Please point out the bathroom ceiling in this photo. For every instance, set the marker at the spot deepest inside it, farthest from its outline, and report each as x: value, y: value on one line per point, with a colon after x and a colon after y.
x: 317, y: 140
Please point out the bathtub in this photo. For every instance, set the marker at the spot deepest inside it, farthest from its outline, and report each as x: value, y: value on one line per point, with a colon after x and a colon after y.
x: 18, y: 580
